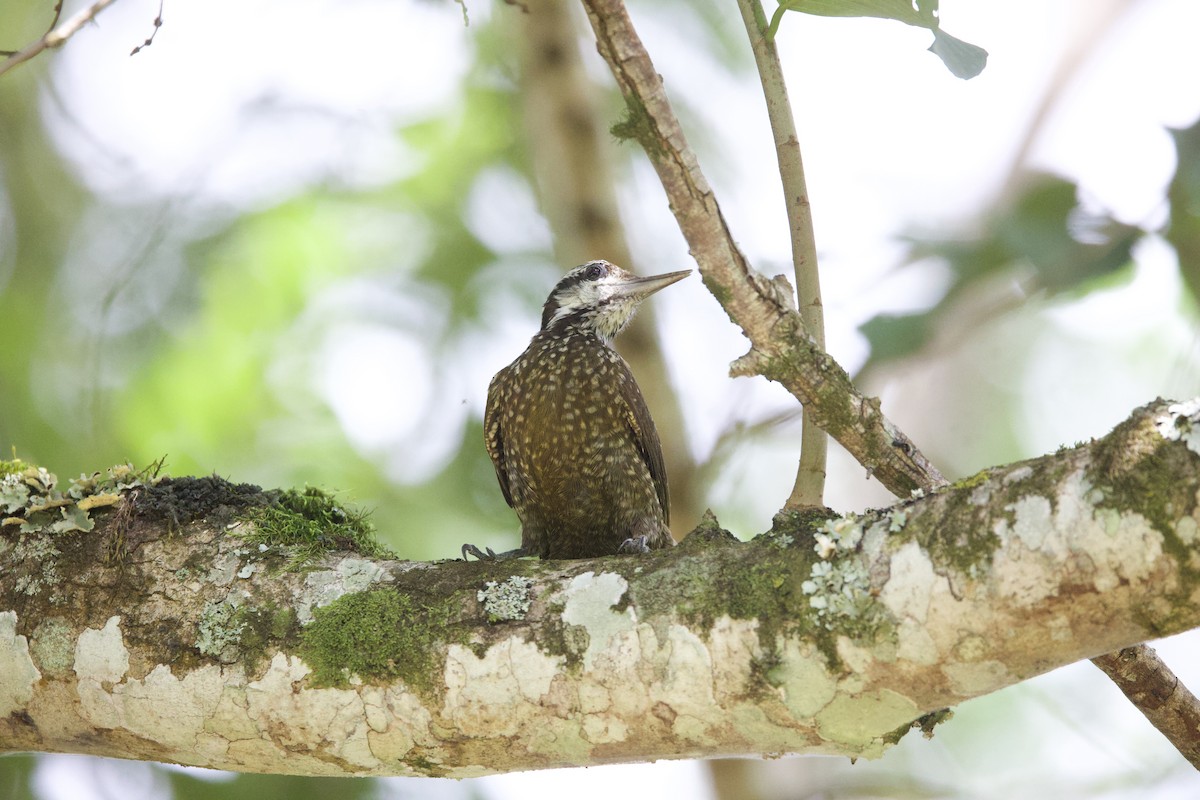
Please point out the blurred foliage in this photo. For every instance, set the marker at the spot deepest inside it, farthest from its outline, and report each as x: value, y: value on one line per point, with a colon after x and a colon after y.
x: 272, y: 787
x: 1183, y: 195
x: 1045, y: 239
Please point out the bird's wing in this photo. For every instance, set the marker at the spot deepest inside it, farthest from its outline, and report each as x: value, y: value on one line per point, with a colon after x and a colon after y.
x: 646, y: 437
x: 493, y: 436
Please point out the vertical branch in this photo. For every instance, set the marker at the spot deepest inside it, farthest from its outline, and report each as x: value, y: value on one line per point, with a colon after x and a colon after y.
x: 572, y: 166
x: 809, y: 487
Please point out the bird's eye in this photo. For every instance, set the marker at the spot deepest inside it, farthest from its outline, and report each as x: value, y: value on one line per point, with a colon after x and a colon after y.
x: 595, y: 272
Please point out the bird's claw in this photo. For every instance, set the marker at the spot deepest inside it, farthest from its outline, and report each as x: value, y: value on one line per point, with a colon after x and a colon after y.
x: 470, y: 549
x: 635, y: 544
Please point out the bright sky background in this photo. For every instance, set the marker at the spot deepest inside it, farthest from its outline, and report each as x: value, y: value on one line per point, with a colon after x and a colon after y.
x: 892, y: 142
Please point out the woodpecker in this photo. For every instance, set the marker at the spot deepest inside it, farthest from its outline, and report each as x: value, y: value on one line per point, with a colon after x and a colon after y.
x: 568, y: 430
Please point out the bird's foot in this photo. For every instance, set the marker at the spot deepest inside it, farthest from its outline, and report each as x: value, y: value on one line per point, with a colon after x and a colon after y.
x: 472, y: 550
x: 488, y: 554
x: 635, y: 544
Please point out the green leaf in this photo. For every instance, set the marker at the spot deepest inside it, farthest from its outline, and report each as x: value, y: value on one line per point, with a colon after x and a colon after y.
x: 963, y: 59
x: 900, y: 10
x: 1183, y: 194
x: 893, y: 336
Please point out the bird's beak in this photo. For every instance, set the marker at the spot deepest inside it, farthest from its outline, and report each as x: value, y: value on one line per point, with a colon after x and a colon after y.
x: 644, y: 287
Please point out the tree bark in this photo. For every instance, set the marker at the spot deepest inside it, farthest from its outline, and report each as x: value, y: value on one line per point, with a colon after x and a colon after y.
x: 199, y: 647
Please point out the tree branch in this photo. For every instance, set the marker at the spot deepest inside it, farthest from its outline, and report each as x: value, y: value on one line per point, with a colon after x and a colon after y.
x: 809, y: 487
x: 56, y: 37
x: 197, y: 647
x: 1153, y: 688
x: 782, y: 350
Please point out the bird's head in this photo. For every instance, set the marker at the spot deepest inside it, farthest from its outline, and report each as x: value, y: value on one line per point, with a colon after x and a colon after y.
x: 601, y: 297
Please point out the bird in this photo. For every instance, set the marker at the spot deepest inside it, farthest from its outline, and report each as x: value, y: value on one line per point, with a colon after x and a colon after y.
x: 569, y: 433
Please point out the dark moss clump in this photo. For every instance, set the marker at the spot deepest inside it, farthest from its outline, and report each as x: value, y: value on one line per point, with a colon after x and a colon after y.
x: 310, y: 523
x: 179, y: 501
x: 801, y: 524
x: 925, y: 724
x: 262, y: 629
x: 379, y: 635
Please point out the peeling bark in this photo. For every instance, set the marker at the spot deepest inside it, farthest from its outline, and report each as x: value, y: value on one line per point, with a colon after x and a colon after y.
x: 197, y: 648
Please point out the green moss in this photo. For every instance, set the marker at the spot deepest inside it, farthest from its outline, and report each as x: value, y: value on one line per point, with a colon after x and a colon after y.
x: 722, y: 293
x: 972, y: 481
x: 797, y: 526
x: 377, y: 635
x: 14, y: 467
x: 967, y: 549
x: 1148, y: 486
x: 758, y: 580
x: 310, y: 523
x: 635, y: 125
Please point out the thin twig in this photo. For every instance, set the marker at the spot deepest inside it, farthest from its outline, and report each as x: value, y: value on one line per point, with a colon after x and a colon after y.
x: 781, y: 348
x: 56, y: 37
x: 809, y: 488
x: 1157, y: 692
x: 158, y: 21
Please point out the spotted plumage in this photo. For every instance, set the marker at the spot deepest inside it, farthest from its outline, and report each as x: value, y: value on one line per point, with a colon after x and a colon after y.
x: 574, y: 447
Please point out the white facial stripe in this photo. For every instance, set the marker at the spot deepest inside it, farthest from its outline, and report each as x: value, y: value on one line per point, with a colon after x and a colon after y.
x: 585, y: 294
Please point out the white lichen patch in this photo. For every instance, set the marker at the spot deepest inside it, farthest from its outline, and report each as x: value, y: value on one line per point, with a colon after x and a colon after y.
x: 734, y: 646
x: 18, y: 674
x: 101, y: 660
x: 322, y: 587
x: 1187, y: 529
x: 971, y: 679
x: 101, y: 655
x: 803, y: 679
x: 53, y: 647
x: 1102, y: 545
x: 589, y: 603
x: 506, y: 600
x: 908, y: 589
x: 859, y: 721
x: 686, y: 685
x: 490, y: 696
x: 1181, y: 423
x: 1020, y: 473
x: 332, y: 720
x: 169, y: 710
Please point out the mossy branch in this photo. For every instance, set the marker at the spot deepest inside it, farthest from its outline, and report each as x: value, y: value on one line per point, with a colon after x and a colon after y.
x: 824, y: 635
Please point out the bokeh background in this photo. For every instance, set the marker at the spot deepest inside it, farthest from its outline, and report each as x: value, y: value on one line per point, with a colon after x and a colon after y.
x: 290, y: 242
